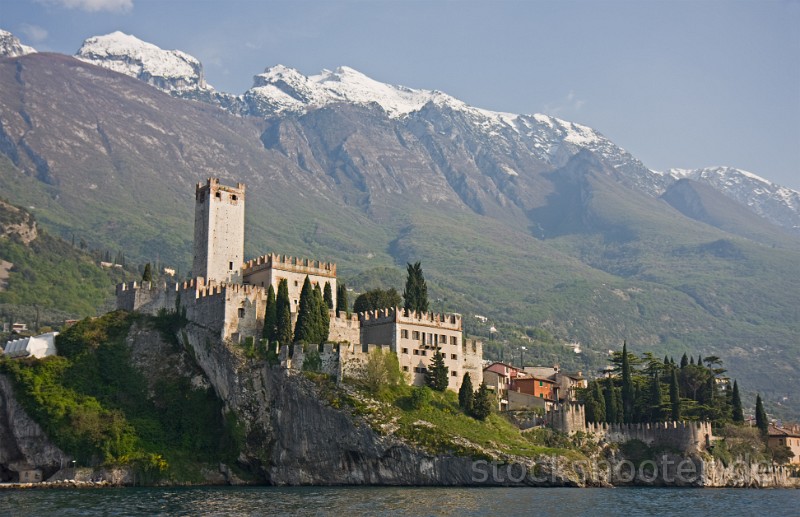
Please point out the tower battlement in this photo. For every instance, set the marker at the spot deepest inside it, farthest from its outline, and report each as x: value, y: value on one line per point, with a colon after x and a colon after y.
x: 218, y: 231
x: 400, y: 315
x: 288, y: 263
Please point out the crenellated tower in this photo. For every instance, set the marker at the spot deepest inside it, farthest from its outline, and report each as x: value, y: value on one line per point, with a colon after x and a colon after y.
x: 218, y: 231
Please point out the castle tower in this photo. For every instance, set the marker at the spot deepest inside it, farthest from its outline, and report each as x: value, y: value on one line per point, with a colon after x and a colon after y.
x: 218, y: 231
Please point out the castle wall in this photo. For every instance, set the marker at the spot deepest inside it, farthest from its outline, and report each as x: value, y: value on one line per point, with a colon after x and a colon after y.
x: 218, y: 231
x: 344, y: 329
x: 271, y: 269
x: 681, y: 436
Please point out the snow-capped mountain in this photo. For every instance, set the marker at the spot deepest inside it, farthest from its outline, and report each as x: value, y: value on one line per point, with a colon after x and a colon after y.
x: 779, y: 205
x: 165, y: 69
x: 10, y: 45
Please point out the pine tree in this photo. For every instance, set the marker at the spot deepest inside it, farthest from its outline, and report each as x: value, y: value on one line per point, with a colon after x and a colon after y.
x: 656, y: 413
x: 466, y: 394
x: 674, y: 397
x: 271, y: 317
x: 761, y: 416
x: 147, y: 276
x: 736, y: 402
x: 436, y: 377
x: 627, y: 386
x: 305, y: 328
x: 341, y: 300
x: 328, y: 296
x: 482, y: 403
x: 283, y: 325
x: 416, y: 292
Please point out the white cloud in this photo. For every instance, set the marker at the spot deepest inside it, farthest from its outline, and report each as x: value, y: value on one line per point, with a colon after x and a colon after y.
x: 92, y: 6
x: 34, y: 33
x: 569, y: 104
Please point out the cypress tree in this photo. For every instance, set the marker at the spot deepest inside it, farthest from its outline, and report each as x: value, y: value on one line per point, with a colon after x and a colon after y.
x: 328, y: 296
x: 271, y: 317
x: 761, y: 416
x: 598, y: 406
x: 736, y: 402
x: 674, y: 397
x: 627, y: 386
x: 283, y: 325
x: 416, y: 292
x: 306, y: 329
x: 666, y: 361
x: 437, y: 374
x: 699, y: 360
x: 656, y: 413
x: 147, y: 276
x: 691, y: 360
x: 341, y: 300
x: 684, y: 361
x: 618, y: 405
x: 466, y: 394
x: 324, y: 319
x: 482, y: 403
x: 611, y: 406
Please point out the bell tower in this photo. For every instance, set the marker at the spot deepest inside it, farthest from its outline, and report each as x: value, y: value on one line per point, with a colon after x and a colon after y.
x: 218, y: 231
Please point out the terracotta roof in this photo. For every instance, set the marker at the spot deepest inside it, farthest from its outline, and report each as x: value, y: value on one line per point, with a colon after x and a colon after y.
x: 783, y: 431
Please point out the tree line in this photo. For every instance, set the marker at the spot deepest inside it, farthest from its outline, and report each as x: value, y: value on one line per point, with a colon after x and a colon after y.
x: 647, y: 389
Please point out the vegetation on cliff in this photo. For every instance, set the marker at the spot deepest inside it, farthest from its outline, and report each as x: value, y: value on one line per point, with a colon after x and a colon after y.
x: 94, y: 405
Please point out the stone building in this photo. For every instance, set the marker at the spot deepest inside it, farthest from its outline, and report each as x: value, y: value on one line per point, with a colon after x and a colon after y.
x: 228, y: 297
x: 788, y: 436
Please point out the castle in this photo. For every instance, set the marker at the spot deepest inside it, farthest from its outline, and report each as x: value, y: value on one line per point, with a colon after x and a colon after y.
x: 228, y: 297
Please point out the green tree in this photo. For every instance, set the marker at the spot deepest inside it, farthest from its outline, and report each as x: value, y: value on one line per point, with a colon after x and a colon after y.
x: 627, y: 386
x: 596, y: 407
x: 466, y: 394
x: 674, y: 397
x: 341, y: 300
x: 482, y: 403
x: 618, y: 405
x: 377, y: 299
x: 323, y: 323
x: 416, y: 292
x: 306, y: 329
x: 437, y: 374
x: 147, y: 276
x: 684, y: 360
x: 283, y: 332
x: 328, y: 296
x: 610, y: 401
x: 736, y: 403
x: 761, y: 416
x: 381, y: 370
x: 271, y: 317
x: 656, y: 408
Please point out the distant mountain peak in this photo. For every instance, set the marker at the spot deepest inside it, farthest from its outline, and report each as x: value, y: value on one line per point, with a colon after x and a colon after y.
x: 165, y: 69
x: 10, y: 46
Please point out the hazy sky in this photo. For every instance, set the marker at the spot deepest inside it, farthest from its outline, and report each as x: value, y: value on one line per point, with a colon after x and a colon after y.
x: 676, y: 83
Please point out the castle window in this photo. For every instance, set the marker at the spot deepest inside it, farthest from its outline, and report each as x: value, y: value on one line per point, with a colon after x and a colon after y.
x: 218, y: 195
x: 404, y: 334
x: 443, y: 339
x: 453, y: 340
x: 405, y: 350
x: 424, y: 352
x: 295, y: 283
x: 416, y: 352
x: 230, y: 266
x: 405, y: 368
x: 241, y: 312
x: 453, y: 373
x: 234, y: 198
x: 415, y: 334
x: 454, y: 357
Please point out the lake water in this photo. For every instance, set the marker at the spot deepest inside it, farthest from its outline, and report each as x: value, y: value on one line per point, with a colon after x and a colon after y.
x: 350, y: 502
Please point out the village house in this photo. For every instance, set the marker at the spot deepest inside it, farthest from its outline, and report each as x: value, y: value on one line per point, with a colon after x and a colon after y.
x: 788, y: 436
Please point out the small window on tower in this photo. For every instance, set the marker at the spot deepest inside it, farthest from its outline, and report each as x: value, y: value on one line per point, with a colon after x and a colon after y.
x: 219, y: 195
x: 230, y: 266
x: 233, y: 197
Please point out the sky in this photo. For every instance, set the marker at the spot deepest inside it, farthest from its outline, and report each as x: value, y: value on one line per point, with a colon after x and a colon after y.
x: 676, y: 83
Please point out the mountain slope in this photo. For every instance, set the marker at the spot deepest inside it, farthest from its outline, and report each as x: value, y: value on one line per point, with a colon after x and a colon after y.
x: 566, y: 240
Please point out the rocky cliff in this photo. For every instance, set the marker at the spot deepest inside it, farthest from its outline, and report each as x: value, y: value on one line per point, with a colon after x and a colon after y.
x: 23, y: 444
